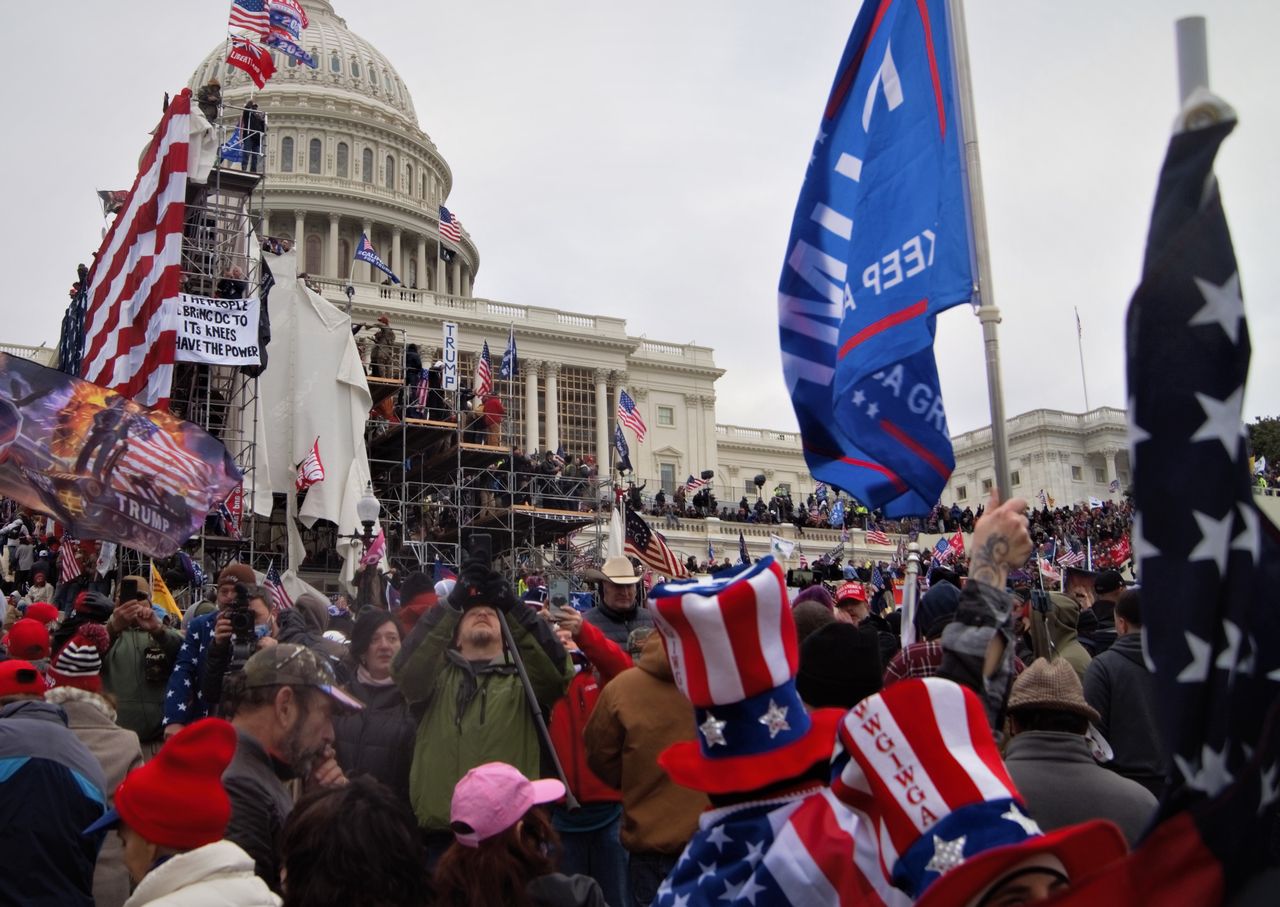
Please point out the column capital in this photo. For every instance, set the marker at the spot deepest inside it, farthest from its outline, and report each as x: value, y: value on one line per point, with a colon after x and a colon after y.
x: 640, y: 393
x: 534, y: 366
x: 601, y: 375
x: 692, y: 400
x: 333, y: 217
x: 620, y: 378
x: 298, y: 212
x: 396, y: 231
x: 551, y: 368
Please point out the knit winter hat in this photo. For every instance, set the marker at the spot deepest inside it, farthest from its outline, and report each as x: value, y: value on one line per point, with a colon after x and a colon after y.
x: 1051, y: 686
x: 177, y: 799
x: 79, y: 662
x: 810, y: 617
x: 43, y: 612
x: 941, y: 601
x: 28, y: 639
x: 839, y: 666
x: 94, y: 606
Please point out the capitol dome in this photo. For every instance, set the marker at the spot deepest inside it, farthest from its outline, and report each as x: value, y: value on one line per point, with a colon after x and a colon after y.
x: 345, y: 155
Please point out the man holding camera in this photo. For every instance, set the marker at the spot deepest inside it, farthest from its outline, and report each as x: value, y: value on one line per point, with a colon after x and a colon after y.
x: 245, y: 627
x: 137, y: 666
x: 455, y: 671
x: 184, y: 700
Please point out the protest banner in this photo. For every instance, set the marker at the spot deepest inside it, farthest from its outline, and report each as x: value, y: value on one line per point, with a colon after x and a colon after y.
x: 217, y: 331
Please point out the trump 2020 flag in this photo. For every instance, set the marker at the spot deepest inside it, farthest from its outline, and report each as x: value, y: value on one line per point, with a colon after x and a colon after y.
x: 879, y: 246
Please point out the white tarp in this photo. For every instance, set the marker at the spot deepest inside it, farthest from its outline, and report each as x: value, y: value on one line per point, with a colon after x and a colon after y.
x: 314, y: 386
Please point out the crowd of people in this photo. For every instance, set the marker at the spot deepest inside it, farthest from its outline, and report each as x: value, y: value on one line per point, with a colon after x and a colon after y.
x: 489, y: 743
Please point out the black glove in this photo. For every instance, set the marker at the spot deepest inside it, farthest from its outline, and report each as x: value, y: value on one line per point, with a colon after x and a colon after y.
x: 479, y: 585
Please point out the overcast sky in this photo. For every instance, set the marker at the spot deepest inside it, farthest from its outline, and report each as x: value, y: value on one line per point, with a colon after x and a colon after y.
x: 643, y: 160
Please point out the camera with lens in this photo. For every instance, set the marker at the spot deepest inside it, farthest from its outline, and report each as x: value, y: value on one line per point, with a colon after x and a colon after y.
x: 244, y: 641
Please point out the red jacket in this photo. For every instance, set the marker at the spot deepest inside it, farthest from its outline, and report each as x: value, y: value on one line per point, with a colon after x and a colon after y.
x: 570, y: 714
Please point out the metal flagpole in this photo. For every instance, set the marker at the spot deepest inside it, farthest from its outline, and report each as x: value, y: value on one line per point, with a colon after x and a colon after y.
x: 1080, y: 347
x: 988, y: 314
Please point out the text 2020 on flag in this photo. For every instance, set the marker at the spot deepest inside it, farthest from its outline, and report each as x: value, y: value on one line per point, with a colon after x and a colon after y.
x: 879, y: 246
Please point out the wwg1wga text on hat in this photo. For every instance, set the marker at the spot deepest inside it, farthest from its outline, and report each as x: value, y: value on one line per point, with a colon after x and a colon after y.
x: 731, y: 642
x: 493, y: 797
x: 177, y: 799
x: 919, y: 760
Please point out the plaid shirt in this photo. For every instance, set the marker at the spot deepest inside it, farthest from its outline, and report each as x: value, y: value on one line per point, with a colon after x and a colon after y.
x: 924, y: 659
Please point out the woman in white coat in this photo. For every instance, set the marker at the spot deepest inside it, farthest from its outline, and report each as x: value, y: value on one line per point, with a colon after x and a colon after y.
x: 171, y: 815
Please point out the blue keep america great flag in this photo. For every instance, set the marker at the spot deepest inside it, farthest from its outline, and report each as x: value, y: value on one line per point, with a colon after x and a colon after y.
x: 879, y: 246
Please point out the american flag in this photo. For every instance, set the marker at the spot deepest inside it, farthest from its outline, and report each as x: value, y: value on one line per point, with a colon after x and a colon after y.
x: 250, y: 15
x: 941, y: 552
x: 1069, y: 558
x: 310, y: 470
x: 1209, y: 559
x: 650, y: 547
x: 484, y: 373
x: 559, y: 456
x: 153, y: 460
x: 71, y: 338
x: 692, y: 484
x: 876, y: 537
x: 629, y: 416
x: 68, y: 559
x: 450, y: 226
x: 280, y: 600
x: 1114, y: 486
x: 806, y: 849
x: 129, y: 338
x: 877, y: 578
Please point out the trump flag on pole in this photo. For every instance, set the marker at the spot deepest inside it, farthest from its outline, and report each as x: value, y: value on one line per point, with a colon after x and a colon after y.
x: 879, y: 246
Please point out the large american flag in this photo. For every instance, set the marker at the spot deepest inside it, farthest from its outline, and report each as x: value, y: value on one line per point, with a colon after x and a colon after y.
x: 250, y: 15
x: 808, y: 849
x: 650, y: 547
x: 1209, y: 560
x: 153, y: 460
x: 450, y: 226
x: 876, y: 537
x: 629, y: 416
x: 1069, y: 558
x: 484, y: 373
x: 129, y: 334
x: 692, y: 484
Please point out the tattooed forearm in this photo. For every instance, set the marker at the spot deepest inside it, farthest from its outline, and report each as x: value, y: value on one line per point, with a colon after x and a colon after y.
x: 987, y: 564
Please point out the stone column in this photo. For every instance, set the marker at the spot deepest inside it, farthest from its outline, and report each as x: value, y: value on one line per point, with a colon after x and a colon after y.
x: 466, y: 282
x: 365, y: 271
x: 693, y: 442
x: 423, y: 282
x: 299, y: 237
x: 397, y: 264
x: 531, y: 368
x: 455, y: 276
x: 602, y: 420
x: 553, y: 411
x: 265, y: 229
x: 331, y: 260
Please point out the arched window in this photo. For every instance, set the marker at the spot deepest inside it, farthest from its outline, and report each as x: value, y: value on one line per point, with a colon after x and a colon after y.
x: 313, y: 156
x: 373, y: 76
x: 344, y: 259
x: 286, y: 155
x: 408, y: 178
x: 391, y: 172
x: 413, y: 272
x: 366, y: 165
x: 335, y: 63
x: 313, y: 259
x: 355, y: 69
x: 344, y: 164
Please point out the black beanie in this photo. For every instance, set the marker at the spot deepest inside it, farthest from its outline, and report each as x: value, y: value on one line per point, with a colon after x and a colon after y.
x: 415, y: 584
x: 839, y: 666
x: 937, y: 607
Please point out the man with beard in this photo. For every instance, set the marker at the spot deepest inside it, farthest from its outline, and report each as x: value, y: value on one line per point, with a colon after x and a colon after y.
x: 282, y: 706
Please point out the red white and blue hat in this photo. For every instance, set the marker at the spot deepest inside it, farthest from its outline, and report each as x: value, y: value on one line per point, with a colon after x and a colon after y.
x: 920, y: 761
x: 732, y: 646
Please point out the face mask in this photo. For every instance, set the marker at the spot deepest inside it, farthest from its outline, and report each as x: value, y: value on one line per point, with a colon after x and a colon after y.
x: 262, y: 631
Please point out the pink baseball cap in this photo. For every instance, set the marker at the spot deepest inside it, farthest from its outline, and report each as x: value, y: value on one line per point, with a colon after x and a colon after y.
x: 493, y: 797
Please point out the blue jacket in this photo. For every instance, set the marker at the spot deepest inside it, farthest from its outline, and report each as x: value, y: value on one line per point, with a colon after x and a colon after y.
x: 184, y: 701
x: 51, y: 789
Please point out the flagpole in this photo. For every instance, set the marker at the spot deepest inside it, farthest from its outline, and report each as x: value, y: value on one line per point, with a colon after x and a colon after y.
x: 988, y: 314
x: 1080, y: 348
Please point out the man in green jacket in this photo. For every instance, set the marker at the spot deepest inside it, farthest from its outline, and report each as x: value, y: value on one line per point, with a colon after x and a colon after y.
x: 137, y: 666
x: 455, y: 671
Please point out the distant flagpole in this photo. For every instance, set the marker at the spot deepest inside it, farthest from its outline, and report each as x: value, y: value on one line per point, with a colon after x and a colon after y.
x: 988, y: 314
x: 1080, y: 346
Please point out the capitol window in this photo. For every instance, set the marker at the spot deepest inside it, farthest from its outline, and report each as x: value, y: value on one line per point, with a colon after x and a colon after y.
x: 366, y: 164
x: 408, y: 178
x: 355, y: 68
x: 1077, y: 473
x: 344, y: 154
x: 986, y: 486
x: 335, y: 63
x: 1099, y: 474
x: 666, y: 415
x: 1016, y: 478
x: 667, y: 472
x: 373, y: 76
x: 286, y: 155
x: 962, y: 492
x: 313, y: 156
x: 390, y: 177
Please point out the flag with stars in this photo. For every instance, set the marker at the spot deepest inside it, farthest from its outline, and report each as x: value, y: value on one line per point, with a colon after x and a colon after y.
x: 650, y: 547
x: 879, y: 247
x: 806, y: 849
x: 1209, y: 561
x: 280, y: 598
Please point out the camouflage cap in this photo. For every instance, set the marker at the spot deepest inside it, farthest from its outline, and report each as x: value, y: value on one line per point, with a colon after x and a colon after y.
x: 296, y: 666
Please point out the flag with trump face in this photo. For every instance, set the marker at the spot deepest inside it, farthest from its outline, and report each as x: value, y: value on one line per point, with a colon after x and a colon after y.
x: 879, y: 247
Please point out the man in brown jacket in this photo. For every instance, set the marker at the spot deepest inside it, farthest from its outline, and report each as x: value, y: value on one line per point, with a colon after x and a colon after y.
x: 639, y: 714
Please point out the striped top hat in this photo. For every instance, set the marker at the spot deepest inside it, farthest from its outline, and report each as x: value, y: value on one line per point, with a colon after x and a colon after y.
x: 731, y: 642
x: 919, y: 759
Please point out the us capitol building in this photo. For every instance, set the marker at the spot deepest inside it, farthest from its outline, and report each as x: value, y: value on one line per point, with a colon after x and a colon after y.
x: 345, y: 155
